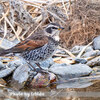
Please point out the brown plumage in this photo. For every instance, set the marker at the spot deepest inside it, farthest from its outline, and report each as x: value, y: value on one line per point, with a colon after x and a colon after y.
x: 30, y: 43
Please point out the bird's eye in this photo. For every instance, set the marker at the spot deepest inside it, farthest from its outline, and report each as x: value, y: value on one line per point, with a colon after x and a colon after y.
x: 54, y: 28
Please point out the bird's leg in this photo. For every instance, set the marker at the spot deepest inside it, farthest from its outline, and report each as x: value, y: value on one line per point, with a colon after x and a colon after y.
x: 41, y: 69
x: 31, y: 66
x: 38, y: 65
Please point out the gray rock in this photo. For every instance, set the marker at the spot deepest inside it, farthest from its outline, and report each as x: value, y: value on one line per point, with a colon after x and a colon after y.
x: 94, y: 62
x: 15, y: 63
x: 6, y: 44
x: 6, y: 69
x: 80, y: 60
x: 45, y: 64
x: 91, y: 53
x: 75, y: 84
x: 70, y: 71
x: 96, y: 43
x: 1, y: 65
x: 77, y: 49
x: 21, y: 74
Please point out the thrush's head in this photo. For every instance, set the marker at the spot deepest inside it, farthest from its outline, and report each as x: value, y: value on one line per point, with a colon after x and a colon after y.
x: 53, y: 29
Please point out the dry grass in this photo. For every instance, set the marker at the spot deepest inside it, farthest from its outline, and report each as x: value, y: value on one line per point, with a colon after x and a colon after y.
x: 84, y: 23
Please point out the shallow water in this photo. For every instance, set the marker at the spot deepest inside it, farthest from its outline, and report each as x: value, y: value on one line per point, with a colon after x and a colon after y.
x: 84, y: 88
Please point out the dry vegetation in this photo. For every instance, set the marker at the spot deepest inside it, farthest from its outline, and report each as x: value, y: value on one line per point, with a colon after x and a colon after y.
x: 21, y: 18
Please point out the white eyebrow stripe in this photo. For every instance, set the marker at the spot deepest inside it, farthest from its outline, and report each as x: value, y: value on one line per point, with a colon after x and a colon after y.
x: 53, y: 26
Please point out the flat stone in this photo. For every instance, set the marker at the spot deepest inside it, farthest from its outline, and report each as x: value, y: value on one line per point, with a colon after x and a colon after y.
x: 70, y: 71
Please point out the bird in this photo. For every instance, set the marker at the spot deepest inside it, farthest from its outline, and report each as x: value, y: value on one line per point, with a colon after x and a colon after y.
x: 39, y: 46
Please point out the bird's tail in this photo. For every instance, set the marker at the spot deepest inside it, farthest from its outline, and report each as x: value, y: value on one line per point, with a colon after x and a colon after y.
x: 4, y: 52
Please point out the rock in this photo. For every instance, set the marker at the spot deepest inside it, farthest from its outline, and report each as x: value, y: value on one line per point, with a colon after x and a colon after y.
x: 6, y: 71
x: 43, y: 80
x: 6, y: 44
x: 77, y: 49
x: 20, y: 76
x: 94, y: 62
x: 75, y: 84
x: 91, y: 53
x: 2, y: 66
x: 96, y: 43
x: 47, y: 63
x: 71, y: 71
x: 44, y: 64
x: 80, y: 60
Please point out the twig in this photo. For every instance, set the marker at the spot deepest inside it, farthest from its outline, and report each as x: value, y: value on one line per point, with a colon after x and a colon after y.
x: 60, y: 55
x: 5, y: 31
x: 34, y: 30
x: 65, y: 9
x: 79, y: 55
x: 18, y: 32
x: 63, y: 60
x: 70, y: 6
x: 2, y: 85
x: 12, y: 28
x: 68, y: 52
x: 89, y: 58
x: 37, y: 5
x: 4, y: 15
x: 56, y: 16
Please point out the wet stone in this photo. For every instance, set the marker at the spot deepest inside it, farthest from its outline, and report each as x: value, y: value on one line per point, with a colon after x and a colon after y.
x: 43, y: 80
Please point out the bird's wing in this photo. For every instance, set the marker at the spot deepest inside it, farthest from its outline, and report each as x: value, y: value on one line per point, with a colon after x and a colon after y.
x: 30, y: 44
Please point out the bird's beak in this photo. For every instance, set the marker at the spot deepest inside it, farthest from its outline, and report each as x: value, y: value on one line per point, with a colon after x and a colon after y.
x: 60, y: 28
